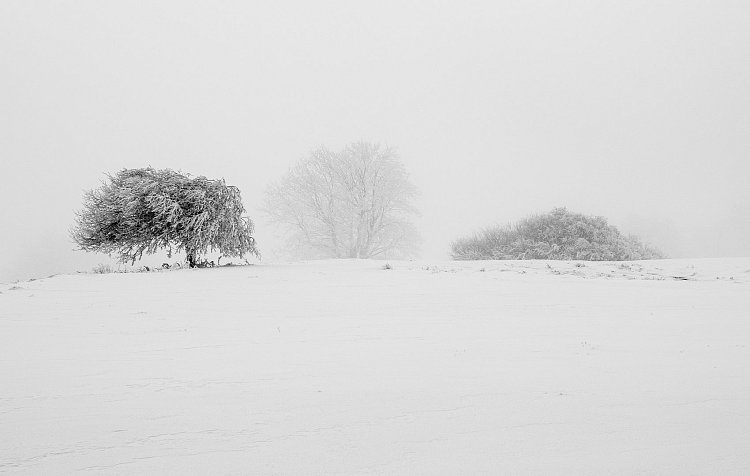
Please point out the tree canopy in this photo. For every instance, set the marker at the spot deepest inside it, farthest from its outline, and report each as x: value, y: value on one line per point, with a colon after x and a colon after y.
x: 138, y: 211
x: 355, y: 203
x: 558, y: 235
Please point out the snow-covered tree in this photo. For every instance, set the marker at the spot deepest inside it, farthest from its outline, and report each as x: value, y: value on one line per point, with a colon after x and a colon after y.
x: 356, y: 203
x: 557, y: 235
x: 138, y: 211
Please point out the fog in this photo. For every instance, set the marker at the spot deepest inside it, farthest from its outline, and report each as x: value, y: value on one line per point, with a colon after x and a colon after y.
x: 637, y: 111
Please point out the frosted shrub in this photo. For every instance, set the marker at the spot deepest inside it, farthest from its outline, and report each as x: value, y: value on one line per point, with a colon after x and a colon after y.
x: 102, y: 269
x: 558, y: 235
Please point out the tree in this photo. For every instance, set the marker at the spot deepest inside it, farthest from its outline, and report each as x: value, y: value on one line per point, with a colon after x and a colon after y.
x: 557, y: 235
x: 356, y: 203
x: 143, y: 210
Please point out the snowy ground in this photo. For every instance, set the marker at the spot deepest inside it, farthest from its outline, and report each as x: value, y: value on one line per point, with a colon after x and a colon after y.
x: 348, y: 368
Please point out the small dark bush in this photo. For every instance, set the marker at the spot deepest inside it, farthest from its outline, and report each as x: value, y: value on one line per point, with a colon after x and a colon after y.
x: 557, y: 235
x: 102, y: 269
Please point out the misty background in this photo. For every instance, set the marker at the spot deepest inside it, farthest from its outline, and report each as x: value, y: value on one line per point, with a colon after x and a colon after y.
x: 638, y: 111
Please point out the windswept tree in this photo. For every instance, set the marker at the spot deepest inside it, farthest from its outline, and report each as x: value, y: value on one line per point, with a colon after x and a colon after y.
x: 356, y: 203
x: 140, y: 211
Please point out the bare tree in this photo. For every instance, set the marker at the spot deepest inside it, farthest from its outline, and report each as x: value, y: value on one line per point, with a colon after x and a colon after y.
x: 356, y: 203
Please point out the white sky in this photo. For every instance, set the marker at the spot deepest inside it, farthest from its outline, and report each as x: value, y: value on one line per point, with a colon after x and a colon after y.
x: 638, y: 110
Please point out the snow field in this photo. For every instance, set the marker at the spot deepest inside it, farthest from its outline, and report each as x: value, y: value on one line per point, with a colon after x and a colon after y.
x: 343, y: 367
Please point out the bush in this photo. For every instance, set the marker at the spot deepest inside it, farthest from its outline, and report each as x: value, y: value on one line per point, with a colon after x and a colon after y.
x: 143, y: 210
x: 102, y: 269
x: 557, y: 235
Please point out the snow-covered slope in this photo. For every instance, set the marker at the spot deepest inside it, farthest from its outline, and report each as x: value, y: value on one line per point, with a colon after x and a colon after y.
x: 346, y: 367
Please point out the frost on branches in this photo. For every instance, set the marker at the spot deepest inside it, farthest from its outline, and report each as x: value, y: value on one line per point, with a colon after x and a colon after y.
x: 140, y: 211
x: 355, y: 203
x: 557, y: 235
